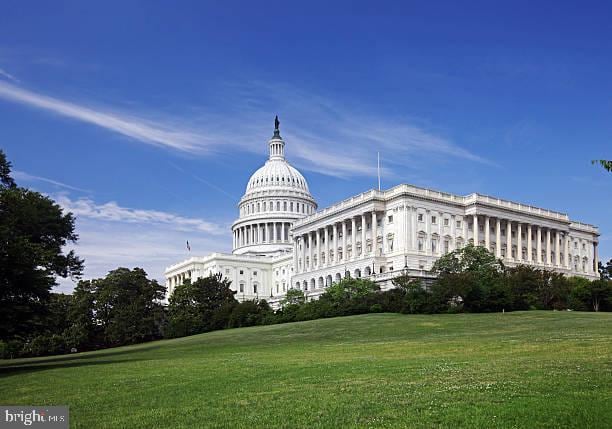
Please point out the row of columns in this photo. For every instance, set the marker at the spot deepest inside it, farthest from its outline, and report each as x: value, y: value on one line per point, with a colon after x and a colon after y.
x: 552, y: 240
x: 261, y: 233
x: 320, y: 242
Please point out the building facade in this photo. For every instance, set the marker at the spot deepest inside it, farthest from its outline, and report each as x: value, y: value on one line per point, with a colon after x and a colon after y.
x: 280, y: 241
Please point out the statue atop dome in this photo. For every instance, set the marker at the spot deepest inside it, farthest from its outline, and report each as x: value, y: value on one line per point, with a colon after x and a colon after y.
x: 276, y: 123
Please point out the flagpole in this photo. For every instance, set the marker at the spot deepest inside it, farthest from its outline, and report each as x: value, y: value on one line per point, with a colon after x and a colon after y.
x: 378, y: 168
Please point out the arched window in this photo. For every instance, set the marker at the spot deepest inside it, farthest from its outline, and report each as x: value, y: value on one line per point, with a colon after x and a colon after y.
x: 285, y: 206
x: 254, y: 288
x: 278, y: 206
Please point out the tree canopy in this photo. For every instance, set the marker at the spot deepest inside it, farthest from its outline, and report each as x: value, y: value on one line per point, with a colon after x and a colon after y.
x: 34, y: 231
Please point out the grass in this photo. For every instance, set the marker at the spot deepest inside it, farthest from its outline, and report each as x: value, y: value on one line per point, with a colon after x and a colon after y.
x: 525, y: 369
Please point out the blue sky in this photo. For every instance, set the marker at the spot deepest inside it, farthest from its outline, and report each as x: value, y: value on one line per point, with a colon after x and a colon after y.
x: 146, y: 119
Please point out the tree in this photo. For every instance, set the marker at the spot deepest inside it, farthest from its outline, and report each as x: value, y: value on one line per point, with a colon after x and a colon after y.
x: 293, y: 297
x: 349, y: 288
x: 192, y: 306
x: 33, y: 234
x: 470, y: 278
x: 606, y: 164
x: 599, y: 292
x: 416, y: 297
x: 605, y: 271
x: 127, y: 306
x: 249, y: 313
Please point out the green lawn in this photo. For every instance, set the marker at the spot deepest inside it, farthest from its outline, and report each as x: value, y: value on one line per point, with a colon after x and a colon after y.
x: 526, y: 369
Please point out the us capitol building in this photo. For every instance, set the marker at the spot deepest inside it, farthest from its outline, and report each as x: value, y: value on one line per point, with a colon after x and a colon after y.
x: 281, y: 241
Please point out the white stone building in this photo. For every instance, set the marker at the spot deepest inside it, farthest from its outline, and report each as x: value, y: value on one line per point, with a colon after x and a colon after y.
x: 281, y: 241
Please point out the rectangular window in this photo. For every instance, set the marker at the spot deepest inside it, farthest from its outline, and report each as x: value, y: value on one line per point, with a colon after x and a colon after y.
x: 390, y: 219
x: 227, y: 271
x: 434, y: 220
x: 420, y: 217
x: 241, y: 287
x: 446, y: 222
x: 458, y: 224
x: 255, y: 289
x: 241, y: 272
x: 254, y: 273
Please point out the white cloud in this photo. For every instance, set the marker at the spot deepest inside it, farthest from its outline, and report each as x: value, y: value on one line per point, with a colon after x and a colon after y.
x: 112, y: 212
x: 8, y: 76
x: 23, y: 176
x: 322, y: 136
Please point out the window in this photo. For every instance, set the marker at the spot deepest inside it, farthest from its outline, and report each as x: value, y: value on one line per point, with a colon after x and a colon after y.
x: 254, y: 273
x: 446, y: 222
x: 227, y: 271
x: 420, y: 244
x: 285, y: 206
x: 390, y: 219
x: 278, y: 206
x: 241, y: 287
x: 458, y: 224
x: 291, y: 206
x: 254, y: 288
x: 434, y: 220
x: 446, y: 246
x: 420, y: 217
x: 433, y: 245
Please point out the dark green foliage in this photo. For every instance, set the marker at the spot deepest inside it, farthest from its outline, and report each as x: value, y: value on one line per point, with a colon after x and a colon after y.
x: 192, y: 306
x: 250, y: 313
x: 33, y: 234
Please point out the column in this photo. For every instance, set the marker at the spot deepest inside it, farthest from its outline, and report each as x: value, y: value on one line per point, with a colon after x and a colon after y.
x: 353, y: 238
x: 363, y: 235
x: 310, y: 265
x: 519, y: 242
x: 487, y: 226
x: 509, y: 240
x: 304, y: 254
x: 413, y: 227
x: 529, y: 244
x: 374, y: 233
x: 344, y: 252
x: 453, y: 244
x: 567, y: 250
x: 326, y: 237
x: 595, y: 258
x: 295, y: 258
x: 258, y: 233
x: 557, y: 249
x: 548, y: 256
x: 335, y: 232
x: 273, y: 232
x: 498, y: 237
x: 539, y: 245
x: 318, y: 238
x: 475, y: 231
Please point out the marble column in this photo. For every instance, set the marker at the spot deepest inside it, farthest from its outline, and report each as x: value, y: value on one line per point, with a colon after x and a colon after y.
x: 310, y: 264
x: 557, y: 249
x: 498, y: 237
x: 567, y: 250
x: 475, y: 232
x: 363, y: 235
x: 335, y: 232
x: 548, y: 253
x: 353, y: 238
x: 509, y: 240
x: 374, y: 233
x: 326, y: 237
x: 344, y: 252
x: 539, y: 245
x: 487, y: 227
x: 519, y: 242
x: 529, y: 244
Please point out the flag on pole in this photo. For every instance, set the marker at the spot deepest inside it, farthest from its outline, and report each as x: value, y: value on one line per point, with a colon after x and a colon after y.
x: 188, y: 246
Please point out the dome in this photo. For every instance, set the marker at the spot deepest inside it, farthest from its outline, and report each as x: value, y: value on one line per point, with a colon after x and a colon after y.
x: 276, y: 195
x: 277, y: 174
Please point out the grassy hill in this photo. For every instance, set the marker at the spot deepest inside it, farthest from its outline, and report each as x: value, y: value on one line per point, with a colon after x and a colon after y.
x: 529, y: 369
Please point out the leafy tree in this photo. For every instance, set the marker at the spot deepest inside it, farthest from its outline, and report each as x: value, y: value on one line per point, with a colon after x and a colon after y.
x: 599, y: 293
x: 470, y: 278
x: 249, y: 313
x: 606, y: 164
x: 416, y: 297
x: 33, y: 234
x: 349, y: 288
x: 523, y: 283
x: 192, y: 306
x: 293, y: 297
x: 605, y: 271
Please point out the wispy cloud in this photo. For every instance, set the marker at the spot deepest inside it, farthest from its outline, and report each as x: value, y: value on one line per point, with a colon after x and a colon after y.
x: 111, y: 211
x: 322, y: 135
x: 8, y: 76
x: 23, y: 176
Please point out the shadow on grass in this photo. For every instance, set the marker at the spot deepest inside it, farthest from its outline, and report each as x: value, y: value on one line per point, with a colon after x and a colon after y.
x: 104, y: 356
x: 41, y: 366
